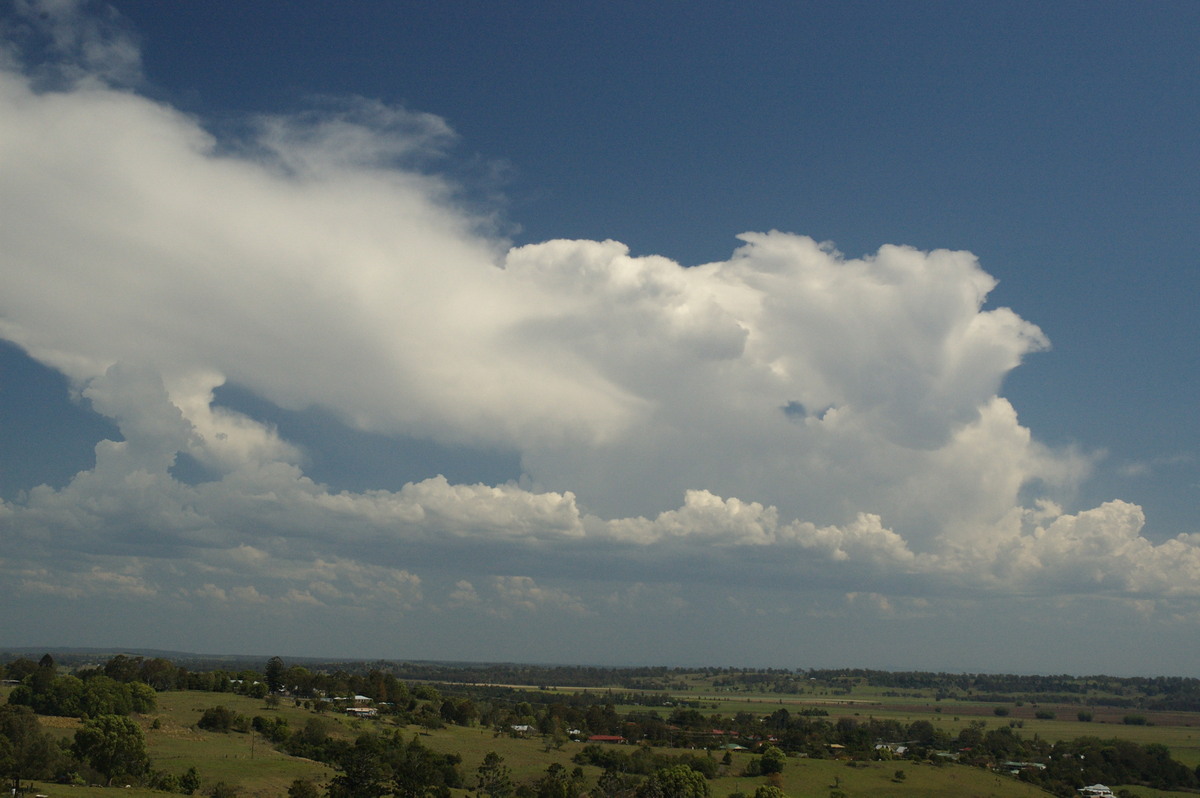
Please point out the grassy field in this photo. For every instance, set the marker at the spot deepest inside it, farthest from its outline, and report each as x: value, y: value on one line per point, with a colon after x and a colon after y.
x: 259, y: 771
x: 1179, y: 731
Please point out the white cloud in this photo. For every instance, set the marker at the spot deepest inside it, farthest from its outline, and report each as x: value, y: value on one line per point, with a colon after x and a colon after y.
x: 832, y: 420
x: 522, y: 593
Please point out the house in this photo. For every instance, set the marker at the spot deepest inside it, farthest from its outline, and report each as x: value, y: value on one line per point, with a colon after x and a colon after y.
x: 362, y: 712
x: 1095, y: 791
x: 899, y: 749
x: 1014, y: 768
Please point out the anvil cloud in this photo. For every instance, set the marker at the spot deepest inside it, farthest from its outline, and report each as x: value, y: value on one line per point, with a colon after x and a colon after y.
x: 787, y: 416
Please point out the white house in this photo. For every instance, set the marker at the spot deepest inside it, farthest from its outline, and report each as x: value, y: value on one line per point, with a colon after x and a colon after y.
x: 1096, y: 791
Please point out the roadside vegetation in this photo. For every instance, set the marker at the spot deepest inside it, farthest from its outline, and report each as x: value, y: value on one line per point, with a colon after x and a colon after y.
x: 82, y: 726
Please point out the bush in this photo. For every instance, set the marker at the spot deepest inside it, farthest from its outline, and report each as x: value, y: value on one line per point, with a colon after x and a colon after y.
x: 303, y: 788
x: 189, y: 782
x: 223, y: 789
x: 220, y: 719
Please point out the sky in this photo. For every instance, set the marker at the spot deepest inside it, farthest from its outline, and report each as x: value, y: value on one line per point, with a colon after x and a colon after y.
x: 849, y: 334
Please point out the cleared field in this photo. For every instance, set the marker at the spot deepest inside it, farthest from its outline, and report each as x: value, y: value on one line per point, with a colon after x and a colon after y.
x: 1179, y: 731
x: 259, y: 771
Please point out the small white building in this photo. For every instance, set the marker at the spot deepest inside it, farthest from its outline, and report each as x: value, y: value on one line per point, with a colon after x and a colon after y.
x: 1096, y: 791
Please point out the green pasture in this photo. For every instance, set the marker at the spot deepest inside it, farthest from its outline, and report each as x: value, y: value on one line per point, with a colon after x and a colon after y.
x: 816, y: 778
x: 251, y: 763
x: 1180, y: 732
x: 527, y: 758
x: 245, y: 760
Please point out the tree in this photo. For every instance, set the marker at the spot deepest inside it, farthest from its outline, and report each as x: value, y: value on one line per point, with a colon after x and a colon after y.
x: 361, y: 771
x: 556, y: 783
x: 26, y: 752
x: 494, y: 778
x: 772, y: 760
x: 189, y: 782
x: 420, y: 772
x: 612, y: 784
x: 679, y: 781
x: 113, y: 746
x: 303, y: 788
x: 122, y: 668
x: 223, y: 789
x: 274, y: 675
x: 219, y: 719
x: 159, y: 673
x: 767, y: 791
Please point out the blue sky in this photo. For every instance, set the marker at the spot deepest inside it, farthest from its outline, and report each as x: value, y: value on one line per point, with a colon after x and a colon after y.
x: 776, y: 334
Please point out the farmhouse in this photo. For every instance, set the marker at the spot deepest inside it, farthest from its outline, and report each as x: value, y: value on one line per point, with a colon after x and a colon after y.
x: 606, y: 738
x: 1096, y: 791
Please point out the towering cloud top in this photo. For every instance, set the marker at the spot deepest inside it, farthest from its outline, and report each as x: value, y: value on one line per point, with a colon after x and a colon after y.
x: 824, y: 420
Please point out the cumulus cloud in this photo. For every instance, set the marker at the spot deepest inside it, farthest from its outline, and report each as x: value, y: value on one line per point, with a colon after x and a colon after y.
x: 835, y: 420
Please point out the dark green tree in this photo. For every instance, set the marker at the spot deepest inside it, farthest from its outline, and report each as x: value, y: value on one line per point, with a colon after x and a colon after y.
x: 361, y: 771
x: 274, y: 675
x: 613, y: 784
x: 219, y: 719
x: 493, y: 778
x: 113, y: 746
x: 189, y: 782
x: 26, y: 752
x: 557, y: 783
x: 159, y: 673
x: 303, y: 788
x: 769, y: 791
x: 223, y: 789
x: 679, y: 781
x: 772, y: 760
x: 420, y: 772
x: 122, y: 668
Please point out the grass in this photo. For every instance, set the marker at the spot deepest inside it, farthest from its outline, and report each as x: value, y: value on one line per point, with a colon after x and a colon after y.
x: 1179, y: 731
x: 245, y: 760
x: 252, y: 764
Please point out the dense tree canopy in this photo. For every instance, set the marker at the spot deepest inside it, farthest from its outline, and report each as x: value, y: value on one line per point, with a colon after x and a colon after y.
x: 679, y: 781
x: 26, y: 752
x: 113, y: 746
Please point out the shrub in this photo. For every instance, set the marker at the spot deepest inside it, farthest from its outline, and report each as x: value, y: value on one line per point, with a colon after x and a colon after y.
x: 223, y: 789
x: 219, y: 719
x: 303, y: 788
